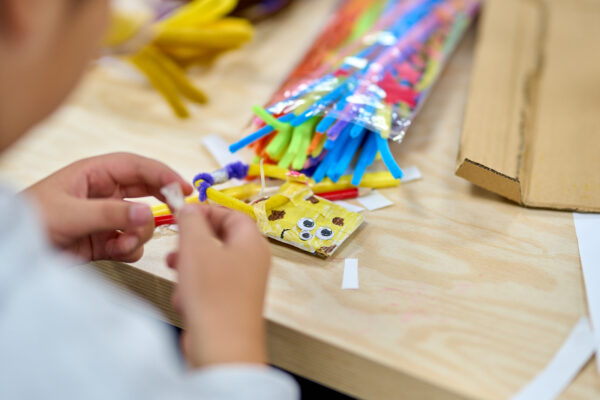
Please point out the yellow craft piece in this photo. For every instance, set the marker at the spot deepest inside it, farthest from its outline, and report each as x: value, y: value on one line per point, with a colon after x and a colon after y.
x: 163, y: 209
x: 161, y: 82
x: 190, y: 55
x: 383, y: 120
x: 373, y: 180
x: 275, y: 172
x: 229, y: 202
x: 218, y: 35
x: 176, y: 74
x: 243, y: 192
x: 293, y: 215
x: 299, y: 218
x: 196, y: 32
x: 124, y: 26
x: 431, y: 71
x: 198, y: 12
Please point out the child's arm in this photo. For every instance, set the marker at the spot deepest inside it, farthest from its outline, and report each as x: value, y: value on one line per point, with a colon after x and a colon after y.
x: 223, y: 264
x: 83, y: 209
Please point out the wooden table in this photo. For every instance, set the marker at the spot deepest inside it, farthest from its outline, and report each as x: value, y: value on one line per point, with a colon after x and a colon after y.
x: 462, y: 294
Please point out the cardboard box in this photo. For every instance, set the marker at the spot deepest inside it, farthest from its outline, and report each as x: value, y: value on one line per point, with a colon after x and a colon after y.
x: 531, y: 131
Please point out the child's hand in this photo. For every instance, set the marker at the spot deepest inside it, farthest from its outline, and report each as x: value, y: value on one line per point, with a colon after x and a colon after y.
x: 223, y: 264
x: 83, y: 208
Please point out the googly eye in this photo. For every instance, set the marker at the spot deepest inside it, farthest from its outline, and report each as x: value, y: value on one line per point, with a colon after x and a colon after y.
x: 324, y: 233
x: 306, y: 235
x: 306, y: 224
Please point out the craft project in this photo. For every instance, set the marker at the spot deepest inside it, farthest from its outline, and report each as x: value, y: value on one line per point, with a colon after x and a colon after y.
x: 161, y: 41
x: 361, y: 84
x: 291, y: 213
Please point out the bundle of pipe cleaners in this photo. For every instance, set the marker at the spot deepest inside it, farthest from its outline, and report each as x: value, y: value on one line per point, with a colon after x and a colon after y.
x: 162, y: 38
x: 361, y: 84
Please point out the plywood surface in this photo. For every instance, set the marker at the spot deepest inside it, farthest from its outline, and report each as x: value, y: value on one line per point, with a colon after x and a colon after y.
x: 462, y: 294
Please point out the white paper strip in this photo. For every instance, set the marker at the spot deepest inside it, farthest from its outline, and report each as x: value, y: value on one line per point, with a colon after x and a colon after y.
x: 564, y: 366
x: 219, y: 149
x: 348, y: 206
x: 587, y: 227
x: 411, y: 174
x: 350, y: 278
x: 174, y: 196
x: 374, y: 201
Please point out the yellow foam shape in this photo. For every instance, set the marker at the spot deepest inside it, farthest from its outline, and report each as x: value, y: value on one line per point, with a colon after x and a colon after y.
x: 281, y: 218
x: 123, y: 26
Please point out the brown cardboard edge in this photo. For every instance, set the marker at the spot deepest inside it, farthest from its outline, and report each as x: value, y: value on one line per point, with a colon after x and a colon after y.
x: 508, y: 187
x: 490, y: 179
x: 562, y: 207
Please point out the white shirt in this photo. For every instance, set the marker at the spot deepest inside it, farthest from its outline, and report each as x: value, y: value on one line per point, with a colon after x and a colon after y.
x: 63, y: 335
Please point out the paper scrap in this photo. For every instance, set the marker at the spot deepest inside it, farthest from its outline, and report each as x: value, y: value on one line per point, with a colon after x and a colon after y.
x: 348, y: 206
x: 174, y: 196
x: 374, y: 201
x: 564, y: 366
x: 350, y: 278
x: 219, y: 149
x: 411, y: 173
x: 587, y: 227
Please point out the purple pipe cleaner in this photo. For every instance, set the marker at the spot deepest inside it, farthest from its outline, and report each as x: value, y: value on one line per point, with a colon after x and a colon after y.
x: 237, y: 170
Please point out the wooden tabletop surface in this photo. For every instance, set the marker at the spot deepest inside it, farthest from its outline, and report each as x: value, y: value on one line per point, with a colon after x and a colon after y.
x: 462, y: 294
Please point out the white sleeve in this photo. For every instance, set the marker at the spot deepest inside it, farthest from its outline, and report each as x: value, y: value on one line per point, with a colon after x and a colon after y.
x: 243, y: 382
x: 64, y: 335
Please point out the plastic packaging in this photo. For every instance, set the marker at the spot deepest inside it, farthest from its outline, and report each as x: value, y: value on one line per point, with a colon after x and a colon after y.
x: 362, y: 83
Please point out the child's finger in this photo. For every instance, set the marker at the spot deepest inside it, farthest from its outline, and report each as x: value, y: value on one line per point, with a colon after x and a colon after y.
x: 176, y: 302
x: 172, y: 260
x: 231, y: 227
x: 129, y: 170
x: 125, y: 247
x: 100, y: 215
x: 197, y: 238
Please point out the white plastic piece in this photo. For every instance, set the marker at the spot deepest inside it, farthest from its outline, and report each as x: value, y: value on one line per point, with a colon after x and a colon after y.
x: 219, y: 149
x: 374, y: 201
x: 564, y: 366
x: 350, y: 278
x: 587, y: 227
x: 174, y: 196
x: 349, y: 206
x: 411, y: 173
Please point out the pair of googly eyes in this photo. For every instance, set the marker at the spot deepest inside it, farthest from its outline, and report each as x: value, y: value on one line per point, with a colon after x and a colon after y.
x: 306, y: 225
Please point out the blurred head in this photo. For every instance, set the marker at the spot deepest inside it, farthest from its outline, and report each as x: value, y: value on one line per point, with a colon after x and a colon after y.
x: 45, y: 46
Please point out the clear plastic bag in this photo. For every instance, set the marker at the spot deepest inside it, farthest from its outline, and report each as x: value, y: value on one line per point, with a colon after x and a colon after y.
x: 362, y: 83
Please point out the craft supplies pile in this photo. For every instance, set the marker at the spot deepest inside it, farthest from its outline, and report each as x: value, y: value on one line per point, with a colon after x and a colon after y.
x: 359, y: 86
x: 163, y: 38
x: 296, y: 212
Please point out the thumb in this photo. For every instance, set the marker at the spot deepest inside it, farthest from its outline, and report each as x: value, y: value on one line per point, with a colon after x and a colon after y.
x: 101, y: 215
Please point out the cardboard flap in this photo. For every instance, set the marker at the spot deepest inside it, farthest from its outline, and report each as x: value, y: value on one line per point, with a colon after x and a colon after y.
x: 532, y: 125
